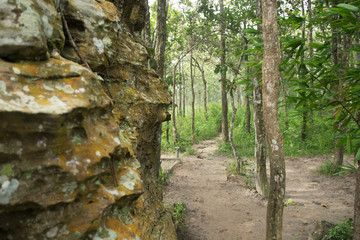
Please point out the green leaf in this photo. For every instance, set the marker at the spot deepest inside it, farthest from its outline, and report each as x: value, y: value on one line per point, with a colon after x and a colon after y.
x: 357, y: 157
x: 251, y: 30
x: 348, y: 145
x: 348, y: 7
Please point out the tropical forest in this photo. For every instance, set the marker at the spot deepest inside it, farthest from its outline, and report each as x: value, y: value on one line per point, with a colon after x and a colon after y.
x: 180, y: 119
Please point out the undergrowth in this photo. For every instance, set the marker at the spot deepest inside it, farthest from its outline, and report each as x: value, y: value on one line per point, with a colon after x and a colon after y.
x: 163, y: 178
x: 319, y: 137
x: 342, y: 231
x: 179, y: 214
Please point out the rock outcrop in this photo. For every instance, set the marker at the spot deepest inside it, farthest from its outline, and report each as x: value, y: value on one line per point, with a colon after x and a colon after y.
x: 79, y: 148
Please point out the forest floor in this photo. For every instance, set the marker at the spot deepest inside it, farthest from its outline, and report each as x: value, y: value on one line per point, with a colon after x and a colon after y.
x: 224, y: 207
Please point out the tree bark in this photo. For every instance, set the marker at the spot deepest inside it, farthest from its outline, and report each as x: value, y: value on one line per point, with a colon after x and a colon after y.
x: 304, y: 114
x: 248, y: 112
x: 261, y: 181
x: 146, y: 33
x: 184, y: 91
x: 224, y: 104
x: 270, y: 73
x: 192, y: 99
x: 231, y: 133
x: 180, y: 91
x: 173, y: 108
x: 160, y: 42
x: 202, y: 71
x: 357, y: 205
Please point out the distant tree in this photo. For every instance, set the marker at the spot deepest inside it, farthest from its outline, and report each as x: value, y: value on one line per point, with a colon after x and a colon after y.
x: 224, y: 103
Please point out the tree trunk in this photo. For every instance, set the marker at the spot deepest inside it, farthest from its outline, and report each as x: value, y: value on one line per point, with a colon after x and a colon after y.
x: 167, y: 131
x: 160, y: 42
x: 238, y: 93
x: 304, y: 114
x: 173, y: 108
x: 184, y: 91
x: 283, y: 92
x: 357, y: 205
x: 261, y: 181
x: 270, y: 73
x: 202, y: 71
x: 180, y: 91
x: 224, y: 104
x: 248, y: 113
x: 231, y: 133
x: 146, y: 33
x: 193, y: 99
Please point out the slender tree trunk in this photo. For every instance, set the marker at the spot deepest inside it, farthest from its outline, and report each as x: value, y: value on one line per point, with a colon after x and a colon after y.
x: 146, y: 33
x: 193, y: 99
x: 261, y: 181
x: 202, y: 71
x: 173, y: 108
x: 231, y: 133
x: 167, y: 131
x: 283, y: 92
x: 180, y: 91
x: 270, y: 73
x: 160, y: 42
x: 304, y: 114
x: 248, y: 113
x: 357, y: 205
x: 184, y: 90
x: 336, y: 39
x: 238, y: 93
x: 311, y: 51
x: 224, y: 104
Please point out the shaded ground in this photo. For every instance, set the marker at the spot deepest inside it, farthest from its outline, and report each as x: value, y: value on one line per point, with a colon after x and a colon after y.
x: 223, y: 207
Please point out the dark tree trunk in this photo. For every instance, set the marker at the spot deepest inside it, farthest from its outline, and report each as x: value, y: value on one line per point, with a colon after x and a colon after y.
x: 160, y: 42
x: 248, y: 113
x: 270, y: 73
x: 146, y: 33
x: 202, y: 71
x: 304, y: 114
x: 261, y: 181
x: 184, y: 91
x: 192, y: 99
x: 231, y: 133
x: 224, y: 104
x: 357, y: 205
x: 173, y: 107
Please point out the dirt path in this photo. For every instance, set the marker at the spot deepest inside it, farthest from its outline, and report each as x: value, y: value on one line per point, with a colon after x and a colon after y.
x: 221, y: 207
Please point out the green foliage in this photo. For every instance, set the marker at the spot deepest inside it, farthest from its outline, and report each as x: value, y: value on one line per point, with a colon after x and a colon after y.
x: 329, y: 168
x: 346, y: 169
x: 342, y: 231
x: 203, y: 129
x: 163, y: 178
x: 179, y: 213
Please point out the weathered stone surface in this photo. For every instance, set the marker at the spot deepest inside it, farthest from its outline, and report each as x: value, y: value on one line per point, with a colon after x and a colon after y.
x: 25, y: 27
x: 103, y: 39
x: 78, y: 158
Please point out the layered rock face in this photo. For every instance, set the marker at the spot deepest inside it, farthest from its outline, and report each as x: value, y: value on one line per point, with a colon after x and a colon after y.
x: 79, y: 148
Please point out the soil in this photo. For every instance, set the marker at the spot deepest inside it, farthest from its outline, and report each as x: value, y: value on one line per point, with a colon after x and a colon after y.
x: 220, y: 206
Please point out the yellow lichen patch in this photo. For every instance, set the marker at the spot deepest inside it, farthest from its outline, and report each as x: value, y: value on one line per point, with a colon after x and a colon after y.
x: 90, y: 209
x: 109, y: 9
x: 124, y: 231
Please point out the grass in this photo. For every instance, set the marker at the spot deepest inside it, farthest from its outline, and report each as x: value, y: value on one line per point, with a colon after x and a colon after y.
x: 320, y: 133
x: 328, y: 168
